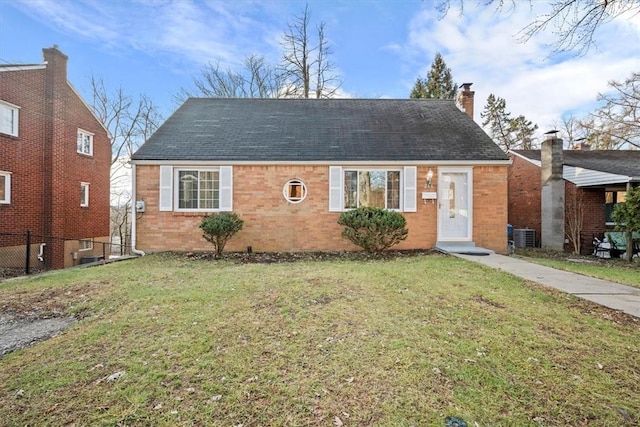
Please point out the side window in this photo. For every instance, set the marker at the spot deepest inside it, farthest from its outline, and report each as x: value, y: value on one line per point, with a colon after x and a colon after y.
x: 611, y: 199
x: 85, y: 142
x: 198, y: 189
x: 374, y: 188
x: 193, y: 189
x: 85, y: 244
x: 294, y: 191
x: 84, y: 194
x: 9, y: 118
x: 5, y: 188
x: 393, y: 189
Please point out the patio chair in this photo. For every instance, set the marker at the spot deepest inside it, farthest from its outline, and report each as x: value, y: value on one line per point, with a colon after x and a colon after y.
x: 618, y: 246
x: 601, y: 249
x: 635, y: 248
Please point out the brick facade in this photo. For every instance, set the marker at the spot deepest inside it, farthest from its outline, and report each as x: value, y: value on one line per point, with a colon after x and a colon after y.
x: 525, y: 208
x: 46, y: 170
x: 273, y: 224
x: 592, y: 212
x: 524, y: 196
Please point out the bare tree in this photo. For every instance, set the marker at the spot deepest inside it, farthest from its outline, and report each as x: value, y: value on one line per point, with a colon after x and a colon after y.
x: 306, y: 67
x: 574, y: 22
x: 121, y: 223
x: 574, y: 219
x: 572, y: 130
x: 256, y: 79
x: 616, y: 124
x: 129, y: 122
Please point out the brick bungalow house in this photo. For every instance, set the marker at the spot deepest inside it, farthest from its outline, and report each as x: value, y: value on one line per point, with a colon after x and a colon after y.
x: 595, y: 180
x: 55, y: 160
x: 289, y: 167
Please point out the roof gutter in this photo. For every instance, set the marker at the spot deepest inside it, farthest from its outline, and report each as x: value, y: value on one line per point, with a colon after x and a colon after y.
x: 505, y: 162
x: 134, y: 213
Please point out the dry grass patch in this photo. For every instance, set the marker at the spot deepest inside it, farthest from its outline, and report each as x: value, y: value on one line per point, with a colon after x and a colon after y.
x: 407, y: 341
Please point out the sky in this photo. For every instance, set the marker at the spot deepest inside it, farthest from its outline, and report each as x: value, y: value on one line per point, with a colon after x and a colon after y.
x: 157, y: 47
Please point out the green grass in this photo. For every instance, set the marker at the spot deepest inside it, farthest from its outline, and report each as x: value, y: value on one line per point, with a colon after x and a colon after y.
x: 388, y: 343
x: 614, y: 270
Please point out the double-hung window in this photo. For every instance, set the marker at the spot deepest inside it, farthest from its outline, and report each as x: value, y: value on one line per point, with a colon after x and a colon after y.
x: 195, y: 188
x: 372, y: 188
x: 85, y: 142
x: 5, y: 188
x: 9, y: 118
x: 386, y: 188
x: 198, y: 189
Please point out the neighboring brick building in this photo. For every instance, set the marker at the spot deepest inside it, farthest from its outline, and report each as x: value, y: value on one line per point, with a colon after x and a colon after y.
x: 55, y: 160
x: 594, y: 181
x: 289, y: 167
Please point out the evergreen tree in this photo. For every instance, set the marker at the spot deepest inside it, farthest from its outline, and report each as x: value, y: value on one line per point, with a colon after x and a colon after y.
x: 508, y: 132
x: 438, y: 84
x: 523, y: 131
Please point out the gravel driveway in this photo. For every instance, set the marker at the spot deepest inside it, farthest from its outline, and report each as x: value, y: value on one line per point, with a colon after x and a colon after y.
x: 17, y: 334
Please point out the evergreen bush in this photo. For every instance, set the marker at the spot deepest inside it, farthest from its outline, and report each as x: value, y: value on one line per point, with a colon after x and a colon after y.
x: 373, y: 229
x: 218, y: 228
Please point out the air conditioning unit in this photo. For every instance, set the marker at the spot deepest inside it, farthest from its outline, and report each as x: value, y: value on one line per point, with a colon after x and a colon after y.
x: 524, y: 238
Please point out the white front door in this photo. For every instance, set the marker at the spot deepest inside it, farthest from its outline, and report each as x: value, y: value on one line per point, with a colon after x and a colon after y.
x: 455, y: 204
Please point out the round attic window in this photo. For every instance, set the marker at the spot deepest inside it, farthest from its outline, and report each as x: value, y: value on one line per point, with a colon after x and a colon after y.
x: 294, y: 191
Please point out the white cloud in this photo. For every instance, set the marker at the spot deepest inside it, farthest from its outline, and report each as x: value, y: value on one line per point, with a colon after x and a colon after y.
x: 482, y: 47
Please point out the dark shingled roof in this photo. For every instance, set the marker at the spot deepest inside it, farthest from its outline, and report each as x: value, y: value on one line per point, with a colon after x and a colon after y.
x: 225, y: 129
x: 620, y: 162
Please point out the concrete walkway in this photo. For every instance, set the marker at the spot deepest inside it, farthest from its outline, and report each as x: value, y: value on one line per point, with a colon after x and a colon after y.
x: 608, y: 294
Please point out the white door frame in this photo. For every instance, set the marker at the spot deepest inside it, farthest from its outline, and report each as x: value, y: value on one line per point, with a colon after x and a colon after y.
x: 443, y: 199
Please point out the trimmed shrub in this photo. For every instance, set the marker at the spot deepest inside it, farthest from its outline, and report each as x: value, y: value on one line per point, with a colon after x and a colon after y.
x: 218, y: 228
x: 373, y: 229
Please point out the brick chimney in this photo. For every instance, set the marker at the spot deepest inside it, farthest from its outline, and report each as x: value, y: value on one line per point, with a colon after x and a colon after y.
x: 465, y: 99
x: 552, y: 193
x: 56, y: 61
x: 55, y: 107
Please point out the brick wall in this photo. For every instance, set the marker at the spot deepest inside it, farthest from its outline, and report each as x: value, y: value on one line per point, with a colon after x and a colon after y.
x: 273, y: 224
x: 46, y: 169
x: 524, y: 185
x: 593, y: 214
x: 490, y: 207
x: 525, y: 209
x: 23, y: 156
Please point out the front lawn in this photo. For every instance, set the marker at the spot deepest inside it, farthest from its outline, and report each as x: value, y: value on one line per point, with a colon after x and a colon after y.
x: 615, y: 270
x: 167, y: 340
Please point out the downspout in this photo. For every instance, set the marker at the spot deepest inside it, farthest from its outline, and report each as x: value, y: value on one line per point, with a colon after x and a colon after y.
x: 133, y: 213
x: 629, y: 235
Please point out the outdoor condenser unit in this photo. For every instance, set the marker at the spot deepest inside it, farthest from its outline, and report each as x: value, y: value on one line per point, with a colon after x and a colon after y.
x: 524, y: 238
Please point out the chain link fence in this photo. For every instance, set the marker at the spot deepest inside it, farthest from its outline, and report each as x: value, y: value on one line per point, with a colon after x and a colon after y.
x: 26, y: 253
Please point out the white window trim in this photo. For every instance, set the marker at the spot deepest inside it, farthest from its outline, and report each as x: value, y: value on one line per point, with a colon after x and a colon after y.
x: 176, y: 186
x: 168, y: 188
x: 7, y: 188
x: 79, y: 149
x: 377, y: 169
x: 286, y: 192
x: 84, y: 190
x: 407, y: 193
x: 90, y: 248
x: 15, y: 125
